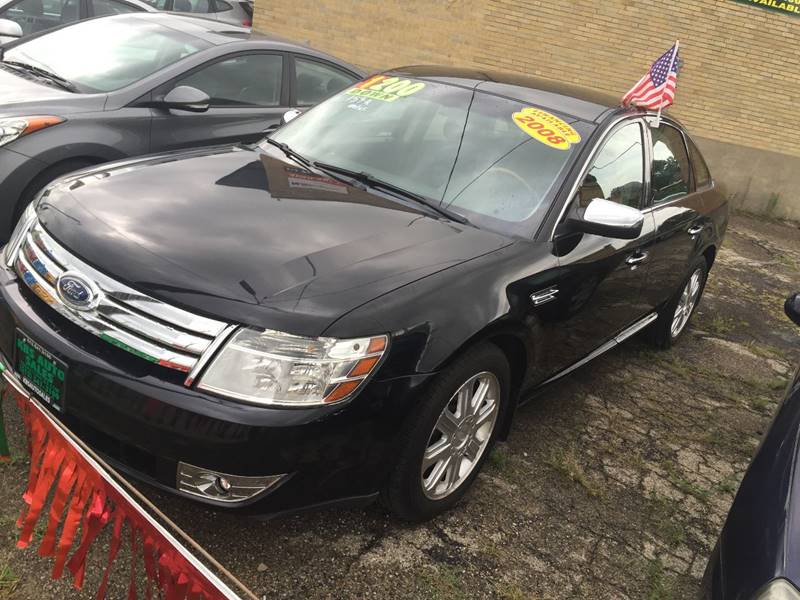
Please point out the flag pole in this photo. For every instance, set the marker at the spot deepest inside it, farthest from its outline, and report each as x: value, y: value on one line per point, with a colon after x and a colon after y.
x: 661, y: 101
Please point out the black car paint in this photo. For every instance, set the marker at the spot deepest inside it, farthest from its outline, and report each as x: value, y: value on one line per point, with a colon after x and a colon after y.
x: 760, y: 540
x: 331, y: 260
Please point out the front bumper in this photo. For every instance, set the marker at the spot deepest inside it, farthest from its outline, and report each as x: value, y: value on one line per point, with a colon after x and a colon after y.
x: 143, y: 419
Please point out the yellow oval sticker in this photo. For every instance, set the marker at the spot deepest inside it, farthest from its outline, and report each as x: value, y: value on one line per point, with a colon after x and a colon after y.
x: 546, y: 128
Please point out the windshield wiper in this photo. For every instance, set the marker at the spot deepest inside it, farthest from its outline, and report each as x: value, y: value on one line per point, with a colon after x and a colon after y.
x: 49, y: 75
x: 289, y: 152
x: 374, y: 182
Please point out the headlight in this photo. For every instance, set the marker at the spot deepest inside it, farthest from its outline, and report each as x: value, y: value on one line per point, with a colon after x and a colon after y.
x: 24, y: 223
x: 780, y: 589
x: 274, y: 368
x: 15, y: 127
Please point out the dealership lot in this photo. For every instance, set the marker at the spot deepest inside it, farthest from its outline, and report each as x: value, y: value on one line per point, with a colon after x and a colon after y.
x: 613, y: 483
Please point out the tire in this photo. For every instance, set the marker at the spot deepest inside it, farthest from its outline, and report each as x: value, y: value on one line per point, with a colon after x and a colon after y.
x: 662, y: 333
x: 47, y: 176
x: 406, y: 494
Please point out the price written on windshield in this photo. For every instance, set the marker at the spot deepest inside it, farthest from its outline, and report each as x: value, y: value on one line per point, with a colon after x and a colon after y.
x: 385, y: 88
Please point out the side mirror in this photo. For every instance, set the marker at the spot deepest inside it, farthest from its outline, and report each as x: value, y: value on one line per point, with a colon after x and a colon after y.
x: 10, y: 29
x: 792, y: 307
x: 290, y: 115
x: 187, y: 98
x: 609, y: 219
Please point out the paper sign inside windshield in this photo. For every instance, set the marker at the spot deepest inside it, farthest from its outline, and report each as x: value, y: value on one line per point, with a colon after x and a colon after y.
x: 385, y: 88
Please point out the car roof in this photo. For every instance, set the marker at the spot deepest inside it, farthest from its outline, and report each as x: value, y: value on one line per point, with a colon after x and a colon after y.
x: 572, y: 100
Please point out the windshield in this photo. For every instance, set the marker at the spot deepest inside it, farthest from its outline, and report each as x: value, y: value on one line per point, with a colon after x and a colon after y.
x: 480, y: 156
x: 103, y: 55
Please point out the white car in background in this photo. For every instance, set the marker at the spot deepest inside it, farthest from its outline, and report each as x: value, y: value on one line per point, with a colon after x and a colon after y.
x: 235, y: 12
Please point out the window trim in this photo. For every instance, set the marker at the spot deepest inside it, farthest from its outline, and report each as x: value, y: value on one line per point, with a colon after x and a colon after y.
x: 309, y: 58
x: 651, y: 203
x: 161, y: 90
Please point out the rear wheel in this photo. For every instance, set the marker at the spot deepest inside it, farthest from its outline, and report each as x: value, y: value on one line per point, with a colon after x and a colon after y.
x: 445, y: 446
x: 675, y: 315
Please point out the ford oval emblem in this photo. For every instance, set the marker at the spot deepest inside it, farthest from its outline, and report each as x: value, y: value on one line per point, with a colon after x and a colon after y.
x: 76, y: 291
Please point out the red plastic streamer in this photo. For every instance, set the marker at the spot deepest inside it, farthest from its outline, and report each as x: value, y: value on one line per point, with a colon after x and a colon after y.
x: 82, y: 499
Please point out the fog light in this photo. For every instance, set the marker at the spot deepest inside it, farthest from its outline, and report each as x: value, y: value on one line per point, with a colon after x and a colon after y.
x: 223, y: 487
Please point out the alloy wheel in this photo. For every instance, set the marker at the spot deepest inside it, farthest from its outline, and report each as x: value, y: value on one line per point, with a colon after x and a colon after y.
x: 460, y: 436
x: 686, y: 302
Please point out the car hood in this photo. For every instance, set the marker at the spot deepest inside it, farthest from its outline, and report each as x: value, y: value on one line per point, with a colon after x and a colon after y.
x: 22, y: 94
x: 243, y: 235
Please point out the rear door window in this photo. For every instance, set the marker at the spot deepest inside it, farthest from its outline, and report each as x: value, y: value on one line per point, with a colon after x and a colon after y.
x: 670, y: 169
x: 193, y: 6
x: 702, y: 177
x: 315, y: 81
x: 112, y: 7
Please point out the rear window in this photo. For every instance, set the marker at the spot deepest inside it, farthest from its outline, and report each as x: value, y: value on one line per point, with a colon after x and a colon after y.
x: 247, y: 7
x: 702, y: 177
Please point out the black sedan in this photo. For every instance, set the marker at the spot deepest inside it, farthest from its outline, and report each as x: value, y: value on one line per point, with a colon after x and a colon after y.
x: 132, y: 84
x: 758, y: 553
x: 355, y: 306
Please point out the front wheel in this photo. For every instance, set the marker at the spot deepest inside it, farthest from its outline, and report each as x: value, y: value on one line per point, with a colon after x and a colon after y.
x: 675, y: 314
x: 446, y: 444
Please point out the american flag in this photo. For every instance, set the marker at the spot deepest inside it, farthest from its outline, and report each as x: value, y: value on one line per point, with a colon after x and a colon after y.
x: 656, y: 90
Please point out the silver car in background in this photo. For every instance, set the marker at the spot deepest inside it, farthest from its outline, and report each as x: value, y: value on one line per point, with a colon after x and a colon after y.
x: 33, y: 16
x: 235, y: 12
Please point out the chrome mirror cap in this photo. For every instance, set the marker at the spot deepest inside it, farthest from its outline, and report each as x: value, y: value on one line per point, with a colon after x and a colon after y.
x: 611, y: 219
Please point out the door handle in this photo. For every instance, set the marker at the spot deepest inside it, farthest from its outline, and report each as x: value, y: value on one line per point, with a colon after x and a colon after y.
x: 636, y: 258
x: 695, y: 229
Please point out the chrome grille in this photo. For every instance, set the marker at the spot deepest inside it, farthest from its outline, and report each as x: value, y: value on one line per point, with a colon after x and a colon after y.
x: 149, y: 328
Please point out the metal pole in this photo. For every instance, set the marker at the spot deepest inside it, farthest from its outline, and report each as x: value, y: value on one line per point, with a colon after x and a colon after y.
x: 661, y: 100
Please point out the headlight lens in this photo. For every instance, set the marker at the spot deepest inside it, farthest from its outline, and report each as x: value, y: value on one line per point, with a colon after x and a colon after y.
x: 15, y: 127
x: 24, y: 223
x: 275, y: 368
x: 780, y: 589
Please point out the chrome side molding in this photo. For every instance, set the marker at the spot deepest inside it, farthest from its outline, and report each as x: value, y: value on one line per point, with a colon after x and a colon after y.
x: 615, y: 341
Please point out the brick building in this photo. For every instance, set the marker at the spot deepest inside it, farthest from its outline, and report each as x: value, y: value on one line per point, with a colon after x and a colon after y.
x: 738, y: 93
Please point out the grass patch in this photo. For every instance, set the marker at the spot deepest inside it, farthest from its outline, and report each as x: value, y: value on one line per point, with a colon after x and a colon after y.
x: 728, y: 484
x: 664, y: 515
x: 719, y: 325
x: 499, y: 459
x: 566, y: 463
x: 762, y: 350
x: 8, y: 582
x: 686, y: 486
x: 510, y: 591
x: 765, y: 384
x: 657, y: 587
x: 443, y: 583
